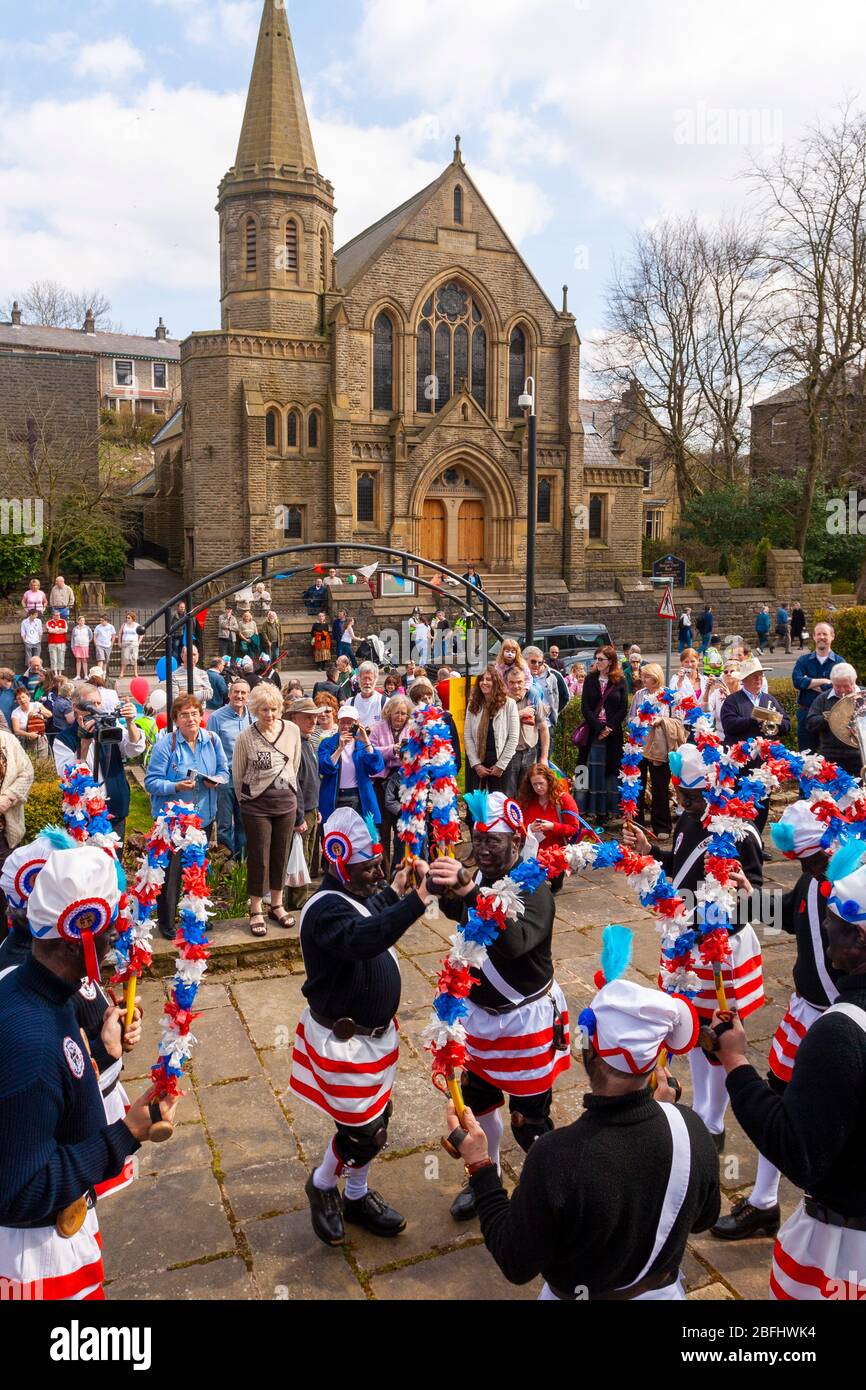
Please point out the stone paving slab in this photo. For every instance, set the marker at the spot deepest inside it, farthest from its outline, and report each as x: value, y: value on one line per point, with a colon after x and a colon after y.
x: 223, y: 1202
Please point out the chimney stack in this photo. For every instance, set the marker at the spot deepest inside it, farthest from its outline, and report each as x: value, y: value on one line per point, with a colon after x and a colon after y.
x: 161, y: 331
x: 16, y: 314
x: 89, y: 322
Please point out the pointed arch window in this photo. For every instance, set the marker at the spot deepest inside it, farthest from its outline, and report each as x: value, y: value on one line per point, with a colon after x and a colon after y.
x: 458, y: 204
x: 314, y: 431
x: 545, y: 502
x: 517, y: 370
x: 452, y: 345
x: 292, y: 262
x: 293, y: 430
x: 272, y: 430
x: 383, y: 363
x: 251, y: 245
x: 323, y: 261
x: 366, y: 497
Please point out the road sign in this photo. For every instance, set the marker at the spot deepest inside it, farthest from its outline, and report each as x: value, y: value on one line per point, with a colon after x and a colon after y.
x: 672, y: 568
x: 666, y: 607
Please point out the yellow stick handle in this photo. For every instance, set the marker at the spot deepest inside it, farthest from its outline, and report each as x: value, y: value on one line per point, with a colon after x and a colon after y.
x: 131, y: 989
x: 721, y: 997
x: 457, y: 1096
x: 661, y: 1062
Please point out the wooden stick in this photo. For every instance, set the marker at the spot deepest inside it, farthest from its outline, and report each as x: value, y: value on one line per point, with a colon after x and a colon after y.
x: 131, y: 990
x: 456, y: 1095
x: 721, y: 997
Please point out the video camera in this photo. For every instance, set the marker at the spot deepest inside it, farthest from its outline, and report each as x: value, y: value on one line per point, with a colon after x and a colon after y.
x: 105, y: 726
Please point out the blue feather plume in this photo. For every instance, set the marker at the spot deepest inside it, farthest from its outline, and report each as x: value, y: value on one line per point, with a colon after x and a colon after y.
x: 616, y: 943
x: 57, y: 837
x: 846, y: 859
x: 478, y: 805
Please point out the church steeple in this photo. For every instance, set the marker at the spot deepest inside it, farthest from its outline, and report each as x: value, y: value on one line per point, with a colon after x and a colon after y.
x: 276, y: 130
x: 276, y: 210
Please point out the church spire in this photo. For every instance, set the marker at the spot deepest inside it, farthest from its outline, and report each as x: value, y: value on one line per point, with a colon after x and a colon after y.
x: 276, y: 130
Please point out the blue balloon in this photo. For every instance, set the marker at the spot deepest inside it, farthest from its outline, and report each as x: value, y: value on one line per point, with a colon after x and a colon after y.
x: 160, y: 667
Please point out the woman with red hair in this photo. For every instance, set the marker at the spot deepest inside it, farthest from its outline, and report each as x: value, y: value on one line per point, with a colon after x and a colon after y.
x: 549, y: 811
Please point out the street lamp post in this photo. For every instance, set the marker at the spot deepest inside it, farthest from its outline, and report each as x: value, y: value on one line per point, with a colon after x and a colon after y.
x: 527, y: 402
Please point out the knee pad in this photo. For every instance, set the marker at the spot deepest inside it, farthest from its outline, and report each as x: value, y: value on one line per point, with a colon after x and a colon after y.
x: 527, y: 1129
x: 359, y: 1146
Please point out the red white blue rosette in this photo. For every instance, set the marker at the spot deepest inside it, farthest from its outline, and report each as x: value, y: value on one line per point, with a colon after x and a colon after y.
x: 337, y: 848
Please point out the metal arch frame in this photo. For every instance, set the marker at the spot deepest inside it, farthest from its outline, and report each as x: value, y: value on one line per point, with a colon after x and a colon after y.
x: 170, y: 629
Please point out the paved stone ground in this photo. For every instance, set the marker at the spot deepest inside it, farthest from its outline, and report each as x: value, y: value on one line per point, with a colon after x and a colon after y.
x: 219, y: 1212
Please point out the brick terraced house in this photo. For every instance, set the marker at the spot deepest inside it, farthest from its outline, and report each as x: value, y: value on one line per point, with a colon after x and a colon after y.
x: 372, y: 393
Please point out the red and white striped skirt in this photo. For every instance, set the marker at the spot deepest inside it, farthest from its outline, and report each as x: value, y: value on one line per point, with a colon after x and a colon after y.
x: 41, y: 1266
x: 742, y: 975
x: 515, y: 1051
x: 116, y: 1105
x: 789, y: 1034
x: 813, y: 1261
x: 350, y: 1081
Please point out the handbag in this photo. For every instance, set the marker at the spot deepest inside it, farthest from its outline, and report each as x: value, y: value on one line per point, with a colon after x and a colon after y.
x: 580, y: 737
x: 297, y: 873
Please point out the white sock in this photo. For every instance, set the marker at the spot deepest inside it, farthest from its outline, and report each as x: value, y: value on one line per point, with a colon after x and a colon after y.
x: 710, y: 1092
x: 491, y: 1123
x: 356, y: 1182
x: 325, y: 1176
x: 765, y: 1193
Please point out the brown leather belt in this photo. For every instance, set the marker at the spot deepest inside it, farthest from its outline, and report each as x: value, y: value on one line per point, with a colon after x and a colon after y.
x: 345, y: 1028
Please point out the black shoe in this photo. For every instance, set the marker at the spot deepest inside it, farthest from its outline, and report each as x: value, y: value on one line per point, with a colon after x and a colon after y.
x: 326, y: 1211
x: 168, y: 932
x: 373, y: 1213
x: 719, y: 1141
x: 744, y: 1220
x: 463, y: 1207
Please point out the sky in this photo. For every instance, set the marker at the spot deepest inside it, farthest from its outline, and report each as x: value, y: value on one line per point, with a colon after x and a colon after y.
x: 581, y: 123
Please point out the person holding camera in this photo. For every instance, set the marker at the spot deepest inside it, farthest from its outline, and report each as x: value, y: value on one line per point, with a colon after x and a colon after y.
x: 100, y: 731
x: 348, y: 762
x: 265, y: 766
x: 187, y: 764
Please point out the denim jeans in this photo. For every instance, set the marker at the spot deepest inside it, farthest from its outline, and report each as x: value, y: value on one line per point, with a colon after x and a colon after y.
x: 230, y: 828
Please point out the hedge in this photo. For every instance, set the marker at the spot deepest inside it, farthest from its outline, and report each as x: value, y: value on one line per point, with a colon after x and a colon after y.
x: 783, y: 690
x: 850, y: 639
x: 564, y: 753
x: 44, y: 806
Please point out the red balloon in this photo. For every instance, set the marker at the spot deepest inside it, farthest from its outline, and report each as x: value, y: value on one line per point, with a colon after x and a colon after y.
x: 139, y: 689
x: 204, y: 716
x: 161, y: 720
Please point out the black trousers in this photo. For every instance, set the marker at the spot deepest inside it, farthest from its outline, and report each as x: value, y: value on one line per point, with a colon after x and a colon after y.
x: 166, y: 903
x: 358, y: 1145
x: 530, y: 1115
x: 659, y: 775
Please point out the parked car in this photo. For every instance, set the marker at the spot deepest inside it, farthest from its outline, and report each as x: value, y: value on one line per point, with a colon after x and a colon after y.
x: 576, y: 641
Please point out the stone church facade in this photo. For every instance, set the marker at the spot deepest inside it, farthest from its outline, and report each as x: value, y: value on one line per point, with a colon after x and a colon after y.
x: 372, y: 393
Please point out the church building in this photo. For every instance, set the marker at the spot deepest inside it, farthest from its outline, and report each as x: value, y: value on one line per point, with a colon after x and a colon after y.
x: 372, y: 392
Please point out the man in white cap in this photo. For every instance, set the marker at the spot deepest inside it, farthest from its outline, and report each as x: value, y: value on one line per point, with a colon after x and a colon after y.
x: 55, y: 1143
x: 816, y: 1131
x: 517, y: 1039
x: 799, y: 835
x: 346, y: 1046
x: 739, y: 722
x: 684, y: 866
x: 606, y: 1204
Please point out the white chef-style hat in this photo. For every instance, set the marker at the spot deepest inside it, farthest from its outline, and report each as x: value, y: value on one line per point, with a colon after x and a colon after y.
x: 629, y: 1024
x: 349, y: 838
x: 75, y: 898
x: 689, y: 768
x: 18, y: 875
x: 798, y: 831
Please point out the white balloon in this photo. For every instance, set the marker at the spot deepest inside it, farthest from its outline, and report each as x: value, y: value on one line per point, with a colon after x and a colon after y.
x: 157, y: 700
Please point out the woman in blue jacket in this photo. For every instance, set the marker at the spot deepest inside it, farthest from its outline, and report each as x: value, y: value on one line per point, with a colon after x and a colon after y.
x: 347, y: 763
x: 187, y: 765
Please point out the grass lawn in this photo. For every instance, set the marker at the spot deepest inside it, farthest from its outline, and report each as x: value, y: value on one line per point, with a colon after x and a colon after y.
x: 140, y: 815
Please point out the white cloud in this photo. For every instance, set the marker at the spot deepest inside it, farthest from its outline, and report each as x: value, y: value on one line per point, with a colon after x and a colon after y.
x: 217, y: 21
x: 108, y: 60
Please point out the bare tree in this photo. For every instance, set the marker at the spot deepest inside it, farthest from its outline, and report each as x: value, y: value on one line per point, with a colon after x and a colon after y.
x: 60, y: 458
x: 815, y: 199
x: 730, y: 340
x: 52, y: 305
x: 653, y: 303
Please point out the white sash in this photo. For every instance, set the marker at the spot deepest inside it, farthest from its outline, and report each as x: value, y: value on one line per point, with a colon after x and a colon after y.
x: 852, y: 1011
x: 830, y: 989
x: 699, y: 849
x: 332, y: 893
x: 678, y: 1184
